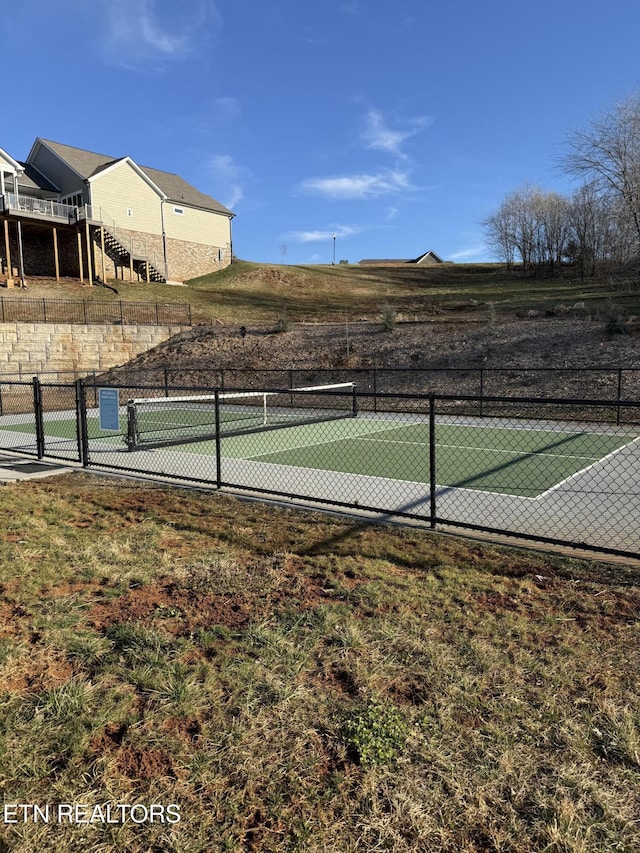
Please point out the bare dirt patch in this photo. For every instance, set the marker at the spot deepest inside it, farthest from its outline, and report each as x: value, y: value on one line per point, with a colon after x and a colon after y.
x: 564, y: 342
x: 182, y: 604
x: 144, y: 765
x: 179, y: 610
x: 38, y: 669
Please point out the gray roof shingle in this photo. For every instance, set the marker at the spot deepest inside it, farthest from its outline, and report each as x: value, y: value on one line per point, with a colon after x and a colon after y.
x: 88, y: 164
x: 33, y: 179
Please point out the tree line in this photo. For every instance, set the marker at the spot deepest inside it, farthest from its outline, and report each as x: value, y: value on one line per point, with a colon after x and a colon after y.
x: 598, y: 225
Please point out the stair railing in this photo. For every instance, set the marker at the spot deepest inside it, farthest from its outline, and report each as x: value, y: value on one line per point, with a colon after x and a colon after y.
x: 135, y: 249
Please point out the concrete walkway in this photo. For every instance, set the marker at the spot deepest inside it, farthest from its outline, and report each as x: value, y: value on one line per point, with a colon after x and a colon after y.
x: 14, y: 468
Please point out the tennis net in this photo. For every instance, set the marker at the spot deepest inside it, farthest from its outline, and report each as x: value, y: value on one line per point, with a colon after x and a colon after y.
x: 164, y: 421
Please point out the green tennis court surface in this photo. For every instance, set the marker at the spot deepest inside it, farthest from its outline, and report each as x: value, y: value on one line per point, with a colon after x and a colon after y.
x: 522, y: 460
x: 518, y: 461
x: 64, y: 427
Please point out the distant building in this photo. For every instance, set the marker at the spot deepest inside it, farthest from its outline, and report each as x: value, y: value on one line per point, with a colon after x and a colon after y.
x: 71, y: 212
x: 429, y: 258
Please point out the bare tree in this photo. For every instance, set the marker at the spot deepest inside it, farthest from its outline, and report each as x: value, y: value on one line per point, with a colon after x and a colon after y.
x: 522, y: 206
x: 500, y: 233
x: 552, y: 214
x: 607, y: 153
x: 585, y: 222
x: 533, y: 224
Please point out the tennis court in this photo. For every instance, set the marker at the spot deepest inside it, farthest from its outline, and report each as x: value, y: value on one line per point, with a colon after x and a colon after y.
x: 524, y: 460
x: 521, y: 459
x: 569, y: 481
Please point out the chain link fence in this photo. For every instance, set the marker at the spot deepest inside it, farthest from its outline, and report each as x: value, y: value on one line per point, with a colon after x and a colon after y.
x: 613, y: 385
x: 551, y: 470
x: 89, y: 311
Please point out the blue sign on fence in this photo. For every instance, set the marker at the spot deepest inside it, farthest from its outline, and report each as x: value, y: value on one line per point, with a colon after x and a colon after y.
x: 109, y: 403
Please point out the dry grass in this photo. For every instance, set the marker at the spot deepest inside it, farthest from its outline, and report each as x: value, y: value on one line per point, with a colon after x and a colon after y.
x: 268, y: 294
x: 300, y: 683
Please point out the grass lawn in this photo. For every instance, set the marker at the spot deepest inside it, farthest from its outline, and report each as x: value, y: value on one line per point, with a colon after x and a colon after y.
x: 251, y: 293
x: 291, y: 681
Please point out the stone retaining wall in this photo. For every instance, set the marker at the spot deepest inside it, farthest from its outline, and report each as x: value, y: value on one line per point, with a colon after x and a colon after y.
x: 31, y: 349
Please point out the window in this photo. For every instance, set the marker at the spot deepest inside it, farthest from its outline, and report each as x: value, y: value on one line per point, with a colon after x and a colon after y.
x: 129, y: 211
x: 75, y: 200
x: 179, y: 211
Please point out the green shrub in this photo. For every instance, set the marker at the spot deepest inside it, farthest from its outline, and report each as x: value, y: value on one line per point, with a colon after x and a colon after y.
x: 376, y: 734
x: 282, y: 324
x: 389, y: 319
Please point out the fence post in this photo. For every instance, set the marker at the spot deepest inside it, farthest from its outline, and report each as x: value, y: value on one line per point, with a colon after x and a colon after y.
x: 481, y: 391
x: 39, y: 419
x: 375, y: 389
x: 218, y: 441
x: 81, y: 423
x: 619, y: 396
x: 432, y: 460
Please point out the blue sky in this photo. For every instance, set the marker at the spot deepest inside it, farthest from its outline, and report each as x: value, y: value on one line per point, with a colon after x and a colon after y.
x: 398, y: 127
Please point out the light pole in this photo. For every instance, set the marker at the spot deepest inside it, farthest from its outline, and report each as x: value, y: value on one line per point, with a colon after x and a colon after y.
x: 334, y: 250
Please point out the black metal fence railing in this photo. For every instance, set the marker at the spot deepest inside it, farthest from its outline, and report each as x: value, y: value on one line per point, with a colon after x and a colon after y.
x: 562, y: 471
x: 87, y: 311
x: 612, y: 385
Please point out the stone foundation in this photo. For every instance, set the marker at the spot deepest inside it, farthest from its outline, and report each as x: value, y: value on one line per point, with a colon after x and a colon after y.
x: 185, y: 260
x: 31, y: 349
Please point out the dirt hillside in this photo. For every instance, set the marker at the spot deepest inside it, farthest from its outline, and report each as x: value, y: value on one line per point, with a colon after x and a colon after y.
x: 567, y: 342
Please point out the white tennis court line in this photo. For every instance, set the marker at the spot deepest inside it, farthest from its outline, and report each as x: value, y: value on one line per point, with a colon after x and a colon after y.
x: 474, y: 447
x: 587, y: 468
x: 365, y: 436
x: 303, y: 445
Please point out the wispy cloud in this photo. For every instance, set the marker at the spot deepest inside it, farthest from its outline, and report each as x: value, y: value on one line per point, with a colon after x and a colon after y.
x: 473, y: 252
x: 379, y: 136
x: 226, y: 108
x: 358, y: 186
x: 138, y: 37
x: 230, y: 178
x: 322, y: 235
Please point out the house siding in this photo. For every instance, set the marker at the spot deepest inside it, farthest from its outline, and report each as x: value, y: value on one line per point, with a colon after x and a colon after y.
x: 6, y: 166
x: 196, y: 226
x: 121, y: 189
x: 57, y: 172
